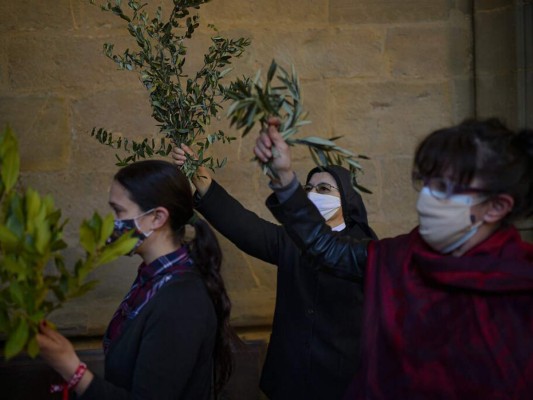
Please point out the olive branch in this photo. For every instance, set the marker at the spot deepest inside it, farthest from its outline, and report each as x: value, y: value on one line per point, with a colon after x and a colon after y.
x: 182, y: 105
x: 255, y: 101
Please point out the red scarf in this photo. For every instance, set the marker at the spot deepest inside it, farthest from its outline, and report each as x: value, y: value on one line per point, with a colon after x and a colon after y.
x: 444, y: 327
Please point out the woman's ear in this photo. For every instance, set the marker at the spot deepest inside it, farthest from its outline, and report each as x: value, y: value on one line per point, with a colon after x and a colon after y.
x: 160, y: 217
x: 498, y: 207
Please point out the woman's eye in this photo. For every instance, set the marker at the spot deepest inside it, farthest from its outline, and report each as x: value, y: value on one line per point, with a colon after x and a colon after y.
x: 437, y: 185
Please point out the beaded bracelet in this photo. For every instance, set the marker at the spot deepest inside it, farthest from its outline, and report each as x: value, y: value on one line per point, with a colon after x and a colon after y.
x: 71, y: 384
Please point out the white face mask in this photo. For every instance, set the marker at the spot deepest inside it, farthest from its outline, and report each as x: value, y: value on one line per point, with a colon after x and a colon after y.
x: 445, y: 224
x: 326, y: 204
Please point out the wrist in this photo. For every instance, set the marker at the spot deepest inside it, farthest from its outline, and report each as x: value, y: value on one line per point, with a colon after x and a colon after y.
x: 68, y: 368
x: 77, y: 376
x: 202, y: 181
x: 283, y: 179
x: 84, y: 383
x: 203, y: 186
x: 78, y: 381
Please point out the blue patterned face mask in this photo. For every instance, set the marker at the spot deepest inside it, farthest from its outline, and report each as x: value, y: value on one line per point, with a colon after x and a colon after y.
x: 123, y: 226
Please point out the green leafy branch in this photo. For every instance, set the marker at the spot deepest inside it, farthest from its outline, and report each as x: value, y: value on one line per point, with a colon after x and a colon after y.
x: 183, y: 105
x: 255, y: 101
x: 34, y: 280
x: 145, y: 148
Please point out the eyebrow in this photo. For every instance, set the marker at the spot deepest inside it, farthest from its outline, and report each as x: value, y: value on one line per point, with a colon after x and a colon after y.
x: 323, y: 183
x: 114, y: 205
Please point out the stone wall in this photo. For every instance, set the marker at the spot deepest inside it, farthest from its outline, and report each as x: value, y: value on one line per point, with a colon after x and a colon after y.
x: 380, y: 73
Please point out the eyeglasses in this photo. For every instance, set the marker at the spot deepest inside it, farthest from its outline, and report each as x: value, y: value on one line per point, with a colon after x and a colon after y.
x: 321, y: 188
x: 442, y: 188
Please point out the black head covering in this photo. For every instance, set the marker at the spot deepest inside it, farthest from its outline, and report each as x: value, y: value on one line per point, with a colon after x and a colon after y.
x: 353, y: 208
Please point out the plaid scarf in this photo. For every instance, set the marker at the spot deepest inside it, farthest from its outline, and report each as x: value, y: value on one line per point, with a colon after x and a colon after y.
x: 150, y: 278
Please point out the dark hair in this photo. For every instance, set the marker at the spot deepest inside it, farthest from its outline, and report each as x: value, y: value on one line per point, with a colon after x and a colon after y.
x: 157, y: 183
x: 487, y: 150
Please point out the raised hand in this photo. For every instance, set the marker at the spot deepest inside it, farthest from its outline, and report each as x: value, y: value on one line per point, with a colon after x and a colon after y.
x: 202, y: 178
x: 271, y: 147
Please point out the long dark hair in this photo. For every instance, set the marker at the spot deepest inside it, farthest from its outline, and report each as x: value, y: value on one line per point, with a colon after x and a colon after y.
x: 157, y: 183
x: 502, y: 160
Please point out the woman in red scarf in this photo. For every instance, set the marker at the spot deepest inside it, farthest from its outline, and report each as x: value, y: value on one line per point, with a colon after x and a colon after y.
x: 448, y: 308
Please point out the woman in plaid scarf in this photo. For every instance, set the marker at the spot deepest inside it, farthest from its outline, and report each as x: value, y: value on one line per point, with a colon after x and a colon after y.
x: 170, y: 336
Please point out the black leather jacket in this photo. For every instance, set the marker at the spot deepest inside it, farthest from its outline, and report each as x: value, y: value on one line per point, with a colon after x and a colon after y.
x: 343, y: 256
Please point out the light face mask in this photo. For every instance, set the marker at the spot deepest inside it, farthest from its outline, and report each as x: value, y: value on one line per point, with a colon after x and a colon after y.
x: 445, y: 224
x: 326, y: 204
x: 122, y: 226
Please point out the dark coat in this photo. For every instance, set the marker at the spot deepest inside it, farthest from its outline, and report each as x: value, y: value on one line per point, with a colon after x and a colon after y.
x: 166, y: 352
x: 314, y: 347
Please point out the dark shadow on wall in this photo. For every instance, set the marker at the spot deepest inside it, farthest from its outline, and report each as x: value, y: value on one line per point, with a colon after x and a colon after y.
x: 503, y: 67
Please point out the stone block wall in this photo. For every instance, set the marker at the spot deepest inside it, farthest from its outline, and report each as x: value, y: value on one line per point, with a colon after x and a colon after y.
x: 380, y: 73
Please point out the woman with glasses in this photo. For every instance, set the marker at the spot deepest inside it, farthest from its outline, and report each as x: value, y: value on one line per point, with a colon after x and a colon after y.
x: 314, y: 346
x: 448, y: 307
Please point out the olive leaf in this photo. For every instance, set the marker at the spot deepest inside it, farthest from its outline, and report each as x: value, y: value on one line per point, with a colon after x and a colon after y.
x: 183, y: 105
x: 255, y: 101
x: 34, y: 280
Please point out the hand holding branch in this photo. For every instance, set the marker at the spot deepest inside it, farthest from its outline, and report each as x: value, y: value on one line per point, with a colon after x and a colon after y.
x: 271, y: 148
x: 59, y: 353
x: 201, y: 179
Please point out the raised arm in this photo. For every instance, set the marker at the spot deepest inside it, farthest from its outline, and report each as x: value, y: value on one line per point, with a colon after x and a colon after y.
x: 343, y: 255
x: 202, y: 178
x: 250, y: 233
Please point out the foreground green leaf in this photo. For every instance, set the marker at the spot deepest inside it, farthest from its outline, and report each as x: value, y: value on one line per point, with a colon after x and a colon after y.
x: 183, y: 103
x: 34, y: 279
x: 17, y: 340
